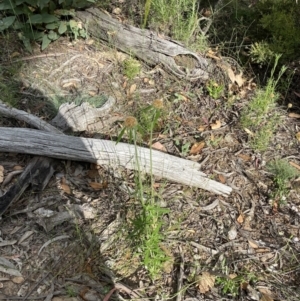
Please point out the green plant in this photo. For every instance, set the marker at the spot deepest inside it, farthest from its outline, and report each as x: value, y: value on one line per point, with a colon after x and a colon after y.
x: 145, y: 227
x: 282, y: 172
x: 184, y: 147
x: 177, y: 18
x: 228, y: 285
x: 280, y: 20
x: 259, y: 118
x: 131, y: 68
x: 42, y: 20
x: 261, y: 53
x: 231, y: 283
x: 214, y: 89
x: 273, y: 23
x: 70, y: 291
x: 147, y: 11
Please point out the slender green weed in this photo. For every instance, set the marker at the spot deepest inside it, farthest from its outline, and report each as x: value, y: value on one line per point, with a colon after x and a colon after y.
x: 258, y: 117
x: 145, y: 228
x: 178, y: 18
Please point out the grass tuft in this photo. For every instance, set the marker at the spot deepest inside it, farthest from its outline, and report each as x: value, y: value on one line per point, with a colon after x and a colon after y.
x: 259, y: 117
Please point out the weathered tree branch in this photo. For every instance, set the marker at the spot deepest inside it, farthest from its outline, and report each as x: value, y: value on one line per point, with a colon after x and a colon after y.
x: 105, y: 152
x: 146, y: 45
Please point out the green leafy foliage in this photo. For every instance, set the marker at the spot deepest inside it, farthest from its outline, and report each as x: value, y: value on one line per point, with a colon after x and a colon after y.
x: 280, y: 21
x: 43, y: 21
x: 214, y: 89
x: 273, y: 24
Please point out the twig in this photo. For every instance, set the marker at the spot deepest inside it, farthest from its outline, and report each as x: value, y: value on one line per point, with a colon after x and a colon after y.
x: 180, y: 276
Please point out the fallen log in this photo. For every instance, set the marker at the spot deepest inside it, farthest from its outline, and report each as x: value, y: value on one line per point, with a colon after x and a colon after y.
x: 104, y: 152
x: 146, y: 45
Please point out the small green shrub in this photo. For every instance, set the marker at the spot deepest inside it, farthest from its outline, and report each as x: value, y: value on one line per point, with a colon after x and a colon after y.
x: 280, y: 21
x: 274, y: 23
x: 43, y: 21
x: 214, y: 89
x: 131, y: 68
x: 258, y: 118
x: 261, y: 53
x: 282, y: 172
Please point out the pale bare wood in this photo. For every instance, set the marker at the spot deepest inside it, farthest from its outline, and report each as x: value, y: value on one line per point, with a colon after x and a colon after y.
x: 79, y: 118
x: 145, y: 45
x: 105, y: 152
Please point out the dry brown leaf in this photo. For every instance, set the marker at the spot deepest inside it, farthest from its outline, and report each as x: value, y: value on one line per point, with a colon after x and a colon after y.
x: 17, y: 167
x: 222, y: 179
x: 232, y: 276
x: 156, y: 185
x: 202, y: 128
x: 205, y: 282
x: 245, y: 158
x: 98, y: 186
x: 157, y: 145
x: 249, y: 132
x: 216, y: 125
x: 233, y: 87
x: 14, y: 54
x: 1, y: 173
x: 132, y: 89
x: 125, y: 84
x: 294, y: 115
x: 230, y: 74
x: 252, y: 243
x: 70, y: 84
x: 92, y: 93
x: 117, y: 10
x: 262, y: 250
x: 295, y: 165
x: 240, y: 219
x: 266, y: 295
x: 93, y: 173
x: 18, y: 279
x: 239, y: 79
x: 298, y: 136
x: 212, y: 55
x: 66, y: 188
x: 197, y: 148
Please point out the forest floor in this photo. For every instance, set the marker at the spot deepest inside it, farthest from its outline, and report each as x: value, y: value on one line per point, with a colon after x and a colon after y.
x: 73, y: 242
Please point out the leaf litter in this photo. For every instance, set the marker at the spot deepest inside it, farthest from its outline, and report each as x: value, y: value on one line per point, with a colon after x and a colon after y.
x: 263, y: 234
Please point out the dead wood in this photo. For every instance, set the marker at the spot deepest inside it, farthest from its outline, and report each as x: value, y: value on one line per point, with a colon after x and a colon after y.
x: 109, y: 153
x: 146, y: 45
x: 81, y: 118
x: 37, y: 174
x: 26, y: 117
